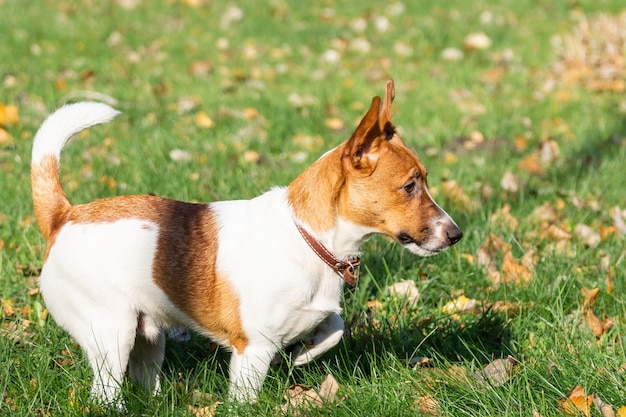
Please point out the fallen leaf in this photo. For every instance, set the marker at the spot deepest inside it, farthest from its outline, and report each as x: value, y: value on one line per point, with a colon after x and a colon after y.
x: 510, y: 182
x: 406, y: 290
x: 504, y: 218
x: 328, y: 389
x: 204, y: 121
x: 251, y: 156
x: 604, y: 408
x: 532, y: 165
x: 595, y: 324
x: 621, y: 412
x: 428, y: 406
x: 180, y: 155
x: 497, y: 372
x: 461, y: 304
x: 587, y: 235
x: 201, y: 68
x: 9, y: 114
x: 299, y: 397
x: 206, y: 411
x: 476, y: 41
x: 452, y: 190
x: 334, y: 123
x: 514, y: 271
x: 544, y: 213
x: 618, y: 219
x: 576, y: 402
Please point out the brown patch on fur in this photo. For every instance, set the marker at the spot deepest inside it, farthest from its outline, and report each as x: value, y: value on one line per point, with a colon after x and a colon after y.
x: 49, y: 201
x: 313, y: 194
x: 184, y: 261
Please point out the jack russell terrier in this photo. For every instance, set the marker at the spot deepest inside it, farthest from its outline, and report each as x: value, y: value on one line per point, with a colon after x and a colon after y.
x: 256, y: 276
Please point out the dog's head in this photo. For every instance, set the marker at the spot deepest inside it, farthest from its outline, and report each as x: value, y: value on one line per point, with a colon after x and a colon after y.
x: 385, y: 186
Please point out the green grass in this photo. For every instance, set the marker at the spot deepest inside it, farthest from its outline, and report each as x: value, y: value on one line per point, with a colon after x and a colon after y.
x: 143, y: 57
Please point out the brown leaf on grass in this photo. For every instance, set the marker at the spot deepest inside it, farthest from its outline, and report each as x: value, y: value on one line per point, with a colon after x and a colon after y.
x: 510, y: 182
x: 334, y: 123
x: 497, y: 372
x: 597, y: 326
x: 517, y: 272
x: 593, y: 54
x: 605, y: 409
x: 452, y: 190
x: 504, y: 218
x: 587, y: 235
x: 329, y: 388
x: 546, y: 212
x: 206, y: 411
x: 532, y: 165
x: 427, y: 406
x: 299, y: 397
x: 576, y: 402
x: 7, y: 307
x: 509, y: 308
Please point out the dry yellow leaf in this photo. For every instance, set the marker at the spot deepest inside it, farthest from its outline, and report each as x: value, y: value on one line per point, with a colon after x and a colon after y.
x: 576, y: 402
x: 514, y: 271
x: 595, y: 324
x: 461, y: 304
x: 5, y: 138
x: 207, y: 411
x: 504, y: 218
x: 428, y: 406
x: 621, y: 412
x: 532, y: 165
x: 204, y: 121
x: 9, y: 114
x: 334, y: 123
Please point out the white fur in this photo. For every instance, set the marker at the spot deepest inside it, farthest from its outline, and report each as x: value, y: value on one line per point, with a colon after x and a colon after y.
x: 70, y: 119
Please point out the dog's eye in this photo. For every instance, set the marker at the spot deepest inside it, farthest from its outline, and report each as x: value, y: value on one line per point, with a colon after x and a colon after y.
x: 410, y: 187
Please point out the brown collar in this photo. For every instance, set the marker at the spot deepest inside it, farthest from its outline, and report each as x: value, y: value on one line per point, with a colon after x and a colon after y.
x: 345, y: 269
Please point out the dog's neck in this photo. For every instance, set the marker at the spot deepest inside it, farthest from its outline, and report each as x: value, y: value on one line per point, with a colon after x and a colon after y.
x: 313, y: 197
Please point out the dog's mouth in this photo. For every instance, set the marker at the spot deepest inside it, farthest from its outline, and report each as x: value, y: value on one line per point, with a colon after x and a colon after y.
x: 419, y: 248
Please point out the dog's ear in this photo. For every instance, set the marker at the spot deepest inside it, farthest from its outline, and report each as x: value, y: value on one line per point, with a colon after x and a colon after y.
x: 384, y: 118
x: 363, y: 148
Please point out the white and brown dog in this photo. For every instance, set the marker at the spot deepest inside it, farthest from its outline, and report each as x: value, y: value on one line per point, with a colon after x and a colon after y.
x: 256, y: 275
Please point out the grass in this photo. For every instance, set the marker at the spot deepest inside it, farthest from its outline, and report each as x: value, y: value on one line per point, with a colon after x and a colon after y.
x: 269, y: 85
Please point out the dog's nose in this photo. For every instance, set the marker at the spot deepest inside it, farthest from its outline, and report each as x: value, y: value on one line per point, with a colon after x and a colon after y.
x: 454, y: 234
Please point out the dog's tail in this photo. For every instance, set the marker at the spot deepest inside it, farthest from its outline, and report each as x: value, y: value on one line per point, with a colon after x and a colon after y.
x: 49, y: 200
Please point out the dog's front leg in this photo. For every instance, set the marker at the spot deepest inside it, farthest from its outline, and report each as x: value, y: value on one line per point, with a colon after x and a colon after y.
x: 327, y: 335
x: 248, y: 370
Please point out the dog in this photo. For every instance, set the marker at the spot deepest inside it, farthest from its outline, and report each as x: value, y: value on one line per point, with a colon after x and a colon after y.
x: 256, y: 276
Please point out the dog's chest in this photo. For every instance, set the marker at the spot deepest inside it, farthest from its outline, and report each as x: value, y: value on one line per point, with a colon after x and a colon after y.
x: 302, y: 319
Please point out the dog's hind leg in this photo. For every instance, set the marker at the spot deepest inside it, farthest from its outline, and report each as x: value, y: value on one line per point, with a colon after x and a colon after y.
x: 327, y: 335
x: 108, y: 349
x: 146, y: 358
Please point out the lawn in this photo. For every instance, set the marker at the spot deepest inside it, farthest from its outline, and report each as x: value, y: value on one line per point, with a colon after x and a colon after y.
x: 517, y: 109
